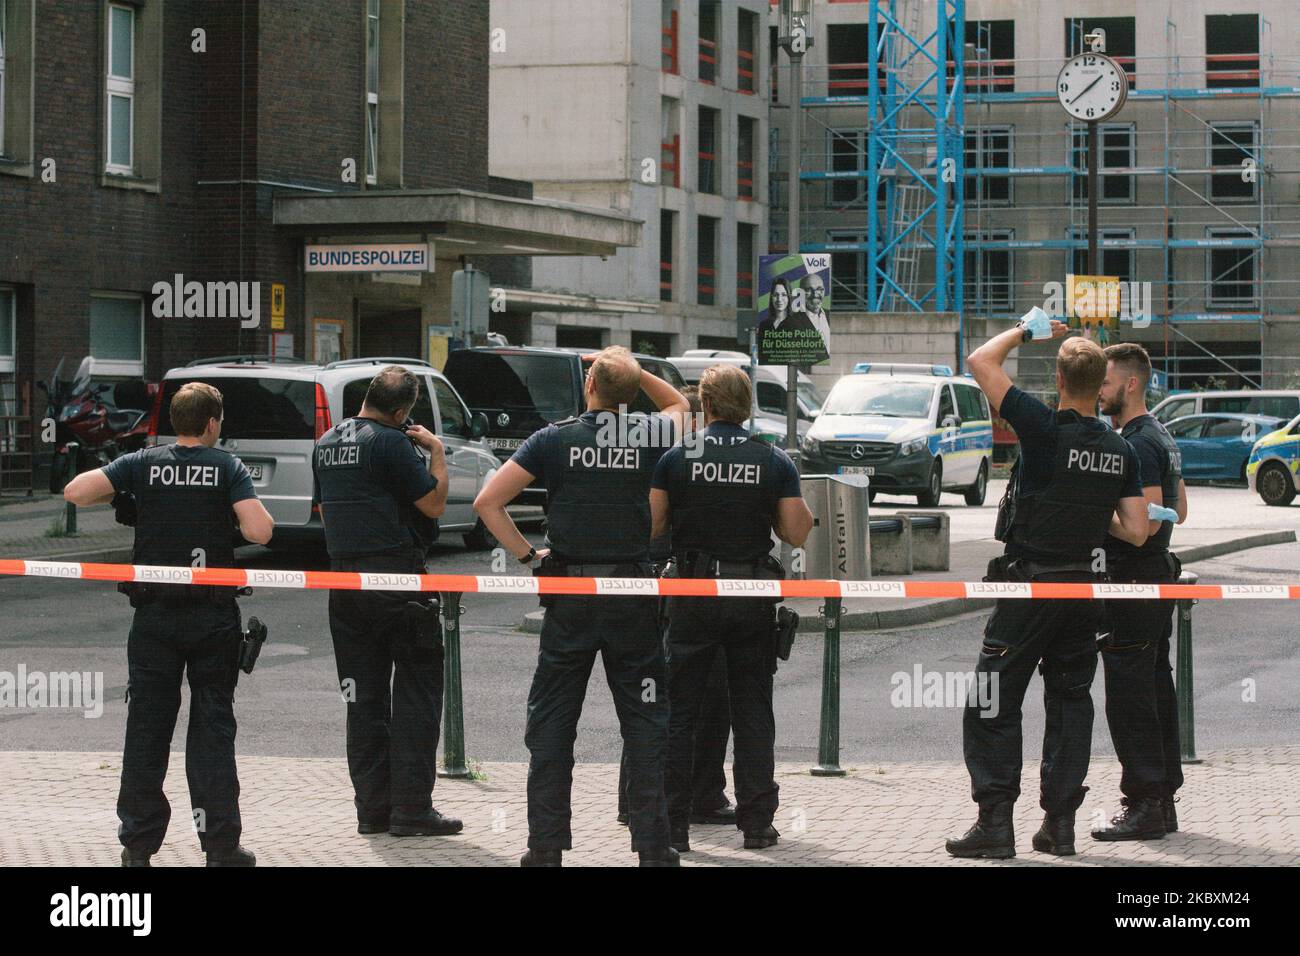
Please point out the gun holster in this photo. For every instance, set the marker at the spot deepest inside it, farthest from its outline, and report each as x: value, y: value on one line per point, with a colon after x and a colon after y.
x: 250, y: 645
x: 549, y: 567
x: 421, y: 629
x: 785, y: 626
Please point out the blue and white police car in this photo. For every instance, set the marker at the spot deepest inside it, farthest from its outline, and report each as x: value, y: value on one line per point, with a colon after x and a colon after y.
x: 908, y: 429
x: 1273, y: 469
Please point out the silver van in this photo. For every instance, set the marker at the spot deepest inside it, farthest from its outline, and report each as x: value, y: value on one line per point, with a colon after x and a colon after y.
x: 275, y: 411
x: 1275, y: 403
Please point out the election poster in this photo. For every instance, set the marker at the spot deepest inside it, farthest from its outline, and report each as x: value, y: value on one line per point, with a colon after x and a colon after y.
x: 793, y: 309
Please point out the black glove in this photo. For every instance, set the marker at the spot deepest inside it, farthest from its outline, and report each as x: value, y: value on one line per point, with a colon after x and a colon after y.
x: 124, y: 508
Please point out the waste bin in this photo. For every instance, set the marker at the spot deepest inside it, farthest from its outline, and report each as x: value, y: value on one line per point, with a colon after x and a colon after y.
x: 839, y: 545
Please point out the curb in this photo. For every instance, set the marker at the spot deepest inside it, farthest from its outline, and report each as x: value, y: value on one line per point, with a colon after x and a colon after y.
x: 926, y: 612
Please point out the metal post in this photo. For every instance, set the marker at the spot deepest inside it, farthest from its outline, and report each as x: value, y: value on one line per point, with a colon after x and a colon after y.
x: 753, y: 376
x: 828, y: 744
x: 793, y: 245
x: 70, y: 472
x: 1183, y: 675
x: 453, y: 710
x: 69, y: 518
x: 1092, y: 198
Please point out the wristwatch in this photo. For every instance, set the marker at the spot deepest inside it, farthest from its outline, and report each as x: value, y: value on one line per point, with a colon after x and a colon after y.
x: 528, y: 558
x: 1026, y: 335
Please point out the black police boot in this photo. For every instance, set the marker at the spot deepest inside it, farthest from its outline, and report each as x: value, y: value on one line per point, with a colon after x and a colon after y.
x: 542, y: 858
x: 761, y: 839
x: 368, y: 827
x: 1171, y: 813
x: 231, y: 856
x: 1056, y: 835
x: 724, y: 815
x: 135, y: 859
x: 992, y: 837
x: 428, y: 823
x: 680, y: 839
x: 1142, y: 819
x: 665, y: 857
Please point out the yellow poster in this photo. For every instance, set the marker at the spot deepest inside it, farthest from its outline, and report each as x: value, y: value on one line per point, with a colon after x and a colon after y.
x: 1092, y: 300
x: 277, y: 305
x: 438, y: 347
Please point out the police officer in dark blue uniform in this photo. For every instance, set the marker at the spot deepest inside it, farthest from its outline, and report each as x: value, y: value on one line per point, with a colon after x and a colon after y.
x: 1140, y: 704
x: 379, y: 502
x: 187, y: 498
x: 1074, y: 481
x: 722, y: 506
x: 597, y: 471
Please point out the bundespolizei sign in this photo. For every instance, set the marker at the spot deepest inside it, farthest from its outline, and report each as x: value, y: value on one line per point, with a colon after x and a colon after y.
x: 370, y: 257
x: 793, y: 309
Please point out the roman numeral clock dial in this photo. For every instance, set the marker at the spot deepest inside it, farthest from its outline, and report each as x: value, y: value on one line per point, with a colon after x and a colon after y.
x: 1091, y: 87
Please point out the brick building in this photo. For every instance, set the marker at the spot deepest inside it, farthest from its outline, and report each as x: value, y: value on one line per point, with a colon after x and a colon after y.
x: 142, y: 140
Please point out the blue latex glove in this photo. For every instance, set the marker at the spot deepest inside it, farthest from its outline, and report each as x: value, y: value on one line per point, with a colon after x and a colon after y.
x: 1157, y: 513
x: 1038, y: 323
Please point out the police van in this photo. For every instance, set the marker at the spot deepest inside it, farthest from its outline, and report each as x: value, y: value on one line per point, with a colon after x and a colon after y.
x: 1273, y: 469
x: 276, y: 409
x: 908, y: 429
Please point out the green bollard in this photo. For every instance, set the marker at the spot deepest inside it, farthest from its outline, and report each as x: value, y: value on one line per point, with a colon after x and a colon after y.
x: 1183, y: 675
x: 828, y: 745
x: 69, y: 518
x: 453, y: 708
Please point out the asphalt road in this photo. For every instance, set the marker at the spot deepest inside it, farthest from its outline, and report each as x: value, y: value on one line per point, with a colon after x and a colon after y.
x: 290, y: 705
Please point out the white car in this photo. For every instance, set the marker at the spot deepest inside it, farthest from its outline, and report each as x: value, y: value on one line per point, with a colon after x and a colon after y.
x: 275, y: 411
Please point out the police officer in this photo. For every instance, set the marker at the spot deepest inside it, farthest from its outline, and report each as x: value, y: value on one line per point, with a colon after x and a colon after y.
x: 722, y: 506
x: 1075, y: 479
x: 597, y: 470
x: 185, y: 495
x: 1140, y: 704
x: 379, y: 501
x: 709, y: 803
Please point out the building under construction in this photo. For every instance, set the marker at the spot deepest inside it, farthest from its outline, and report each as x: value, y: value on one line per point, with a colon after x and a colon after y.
x: 940, y: 168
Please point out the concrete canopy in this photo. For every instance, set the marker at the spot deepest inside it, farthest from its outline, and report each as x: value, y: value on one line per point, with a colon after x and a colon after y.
x: 460, y: 222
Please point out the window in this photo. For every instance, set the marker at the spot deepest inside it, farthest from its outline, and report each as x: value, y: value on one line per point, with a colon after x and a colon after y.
x: 771, y: 398
x: 1176, y: 409
x: 846, y: 58
x: 17, y: 41
x: 120, y: 86
x: 987, y: 148
x: 372, y: 91
x: 1232, y: 50
x: 1277, y: 406
x: 1115, y: 141
x: 848, y: 153
x: 268, y: 408
x: 745, y: 127
x: 666, y: 242
x: 708, y: 151
x: 993, y: 68
x: 117, y: 333
x: 744, y: 265
x: 1231, y: 271
x: 848, y: 269
x: 746, y: 51
x: 772, y: 47
x: 988, y: 278
x: 668, y: 30
x: 1111, y: 261
x: 1121, y: 40
x: 971, y: 404
x: 671, y: 141
x: 8, y: 325
x: 706, y: 284
x: 455, y: 420
x: 4, y: 18
x: 708, y: 41
x: 1187, y: 428
x: 946, y: 408
x: 1230, y: 144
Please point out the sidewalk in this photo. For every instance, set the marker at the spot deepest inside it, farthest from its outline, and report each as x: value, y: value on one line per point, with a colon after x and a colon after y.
x: 1238, y: 808
x: 25, y: 523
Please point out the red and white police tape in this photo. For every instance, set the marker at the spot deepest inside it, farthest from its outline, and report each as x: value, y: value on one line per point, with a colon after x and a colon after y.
x: 635, y: 587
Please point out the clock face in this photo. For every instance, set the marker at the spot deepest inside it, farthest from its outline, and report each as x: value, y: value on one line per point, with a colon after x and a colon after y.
x: 1091, y: 86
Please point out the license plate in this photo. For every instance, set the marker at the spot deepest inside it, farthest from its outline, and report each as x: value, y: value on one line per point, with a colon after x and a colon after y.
x: 505, y: 444
x: 254, y: 470
x: 857, y: 470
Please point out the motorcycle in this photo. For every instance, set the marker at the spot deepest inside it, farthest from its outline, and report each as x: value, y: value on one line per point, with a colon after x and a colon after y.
x: 92, y: 426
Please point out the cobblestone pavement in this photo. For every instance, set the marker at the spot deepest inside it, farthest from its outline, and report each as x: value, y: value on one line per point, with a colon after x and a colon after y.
x: 1239, y: 807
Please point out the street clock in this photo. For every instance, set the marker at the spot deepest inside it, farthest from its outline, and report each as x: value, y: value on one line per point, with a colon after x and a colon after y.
x: 1091, y: 87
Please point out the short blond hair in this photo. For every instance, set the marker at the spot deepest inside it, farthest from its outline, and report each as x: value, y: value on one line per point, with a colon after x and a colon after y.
x: 726, y: 394
x: 1082, y: 364
x: 616, y: 376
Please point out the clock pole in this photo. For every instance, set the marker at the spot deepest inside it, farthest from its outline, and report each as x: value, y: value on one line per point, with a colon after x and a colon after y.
x: 1092, y: 198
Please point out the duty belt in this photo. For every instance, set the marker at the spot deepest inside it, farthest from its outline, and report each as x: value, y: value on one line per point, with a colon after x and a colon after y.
x: 1008, y: 568
x: 179, y: 595
x: 700, y: 564
x: 1145, y: 567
